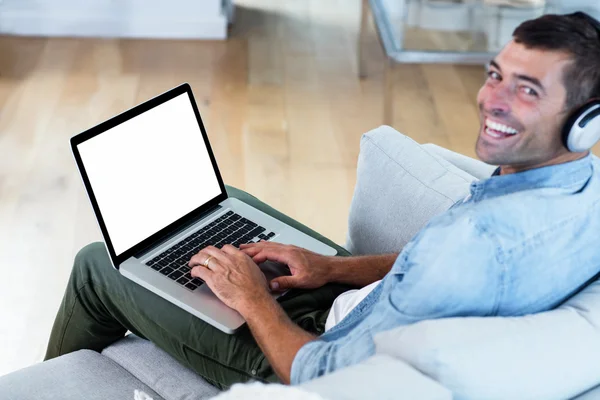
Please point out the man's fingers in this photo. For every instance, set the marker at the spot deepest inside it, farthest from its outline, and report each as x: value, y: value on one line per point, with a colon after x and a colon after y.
x: 250, y: 249
x: 203, y: 273
x: 283, y: 283
x: 253, y: 248
x: 231, y: 250
x: 272, y: 254
x: 198, y: 259
x: 262, y: 243
x: 264, y: 256
x: 204, y: 254
x: 256, y: 244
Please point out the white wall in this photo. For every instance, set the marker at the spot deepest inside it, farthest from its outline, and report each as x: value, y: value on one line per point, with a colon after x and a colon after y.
x: 568, y: 6
x: 565, y: 6
x: 203, y: 19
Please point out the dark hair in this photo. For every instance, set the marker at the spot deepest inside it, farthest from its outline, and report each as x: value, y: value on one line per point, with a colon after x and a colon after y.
x: 577, y: 34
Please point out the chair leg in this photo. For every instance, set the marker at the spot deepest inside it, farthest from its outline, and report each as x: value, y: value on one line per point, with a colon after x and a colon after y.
x: 362, y: 68
x: 388, y: 90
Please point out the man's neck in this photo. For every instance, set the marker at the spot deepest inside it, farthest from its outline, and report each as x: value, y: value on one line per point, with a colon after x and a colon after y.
x: 561, y: 159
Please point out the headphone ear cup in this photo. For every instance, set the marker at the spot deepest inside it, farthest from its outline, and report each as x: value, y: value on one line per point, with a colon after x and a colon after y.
x: 582, y: 129
x: 569, y: 124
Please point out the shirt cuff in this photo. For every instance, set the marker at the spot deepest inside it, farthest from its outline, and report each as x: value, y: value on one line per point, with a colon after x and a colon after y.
x: 308, y: 363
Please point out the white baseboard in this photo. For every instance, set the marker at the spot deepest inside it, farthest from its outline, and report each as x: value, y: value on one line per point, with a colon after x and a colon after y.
x: 79, y: 22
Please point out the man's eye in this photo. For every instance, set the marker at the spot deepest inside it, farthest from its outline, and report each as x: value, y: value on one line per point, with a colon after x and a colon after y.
x: 529, y: 91
x: 494, y: 75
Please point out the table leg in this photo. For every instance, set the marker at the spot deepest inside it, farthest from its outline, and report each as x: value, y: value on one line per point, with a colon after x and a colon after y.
x: 388, y: 92
x: 362, y: 68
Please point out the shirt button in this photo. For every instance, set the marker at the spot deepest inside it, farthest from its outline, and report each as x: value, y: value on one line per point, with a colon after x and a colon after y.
x: 253, y: 372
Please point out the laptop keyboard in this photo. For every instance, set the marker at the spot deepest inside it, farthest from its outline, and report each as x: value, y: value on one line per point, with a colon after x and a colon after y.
x: 230, y: 228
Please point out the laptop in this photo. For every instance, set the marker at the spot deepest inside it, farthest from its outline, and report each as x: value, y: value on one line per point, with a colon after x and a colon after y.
x: 155, y: 187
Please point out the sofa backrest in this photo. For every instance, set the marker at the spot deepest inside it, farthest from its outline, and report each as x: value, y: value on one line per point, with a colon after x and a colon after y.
x: 400, y: 185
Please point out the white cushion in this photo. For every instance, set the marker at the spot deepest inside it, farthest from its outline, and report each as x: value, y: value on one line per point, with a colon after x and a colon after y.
x: 551, y: 355
x: 400, y: 186
x: 263, y: 391
x: 379, y: 377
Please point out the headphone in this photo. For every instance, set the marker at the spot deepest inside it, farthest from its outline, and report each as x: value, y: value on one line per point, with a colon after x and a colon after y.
x: 582, y: 129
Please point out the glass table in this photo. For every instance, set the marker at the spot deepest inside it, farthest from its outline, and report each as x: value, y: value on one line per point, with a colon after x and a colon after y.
x: 441, y: 31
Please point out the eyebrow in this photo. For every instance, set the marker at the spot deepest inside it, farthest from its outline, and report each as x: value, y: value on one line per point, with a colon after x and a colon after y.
x: 522, y: 77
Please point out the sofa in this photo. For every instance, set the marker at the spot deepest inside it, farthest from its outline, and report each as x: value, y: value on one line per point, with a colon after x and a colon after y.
x: 551, y: 355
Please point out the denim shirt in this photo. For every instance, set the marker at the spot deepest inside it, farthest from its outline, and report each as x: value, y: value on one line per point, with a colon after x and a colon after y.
x: 521, y: 243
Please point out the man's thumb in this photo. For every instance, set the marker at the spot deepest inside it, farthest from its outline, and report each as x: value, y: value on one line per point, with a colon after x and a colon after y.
x: 281, y: 283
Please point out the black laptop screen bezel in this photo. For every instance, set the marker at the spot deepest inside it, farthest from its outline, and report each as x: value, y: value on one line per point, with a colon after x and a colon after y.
x: 187, y: 219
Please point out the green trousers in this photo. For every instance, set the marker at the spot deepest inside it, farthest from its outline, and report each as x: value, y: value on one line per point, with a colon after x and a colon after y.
x: 100, y: 305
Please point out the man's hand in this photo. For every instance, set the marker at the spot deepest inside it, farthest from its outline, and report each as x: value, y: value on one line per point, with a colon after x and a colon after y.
x: 239, y: 283
x: 233, y: 277
x: 309, y: 270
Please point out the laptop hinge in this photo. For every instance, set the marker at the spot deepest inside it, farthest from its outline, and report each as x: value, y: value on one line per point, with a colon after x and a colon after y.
x: 168, y: 237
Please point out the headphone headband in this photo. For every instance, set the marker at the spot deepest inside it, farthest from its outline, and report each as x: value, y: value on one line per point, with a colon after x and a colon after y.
x: 582, y: 129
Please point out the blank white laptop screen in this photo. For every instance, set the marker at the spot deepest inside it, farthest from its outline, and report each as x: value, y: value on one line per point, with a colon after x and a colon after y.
x: 150, y: 171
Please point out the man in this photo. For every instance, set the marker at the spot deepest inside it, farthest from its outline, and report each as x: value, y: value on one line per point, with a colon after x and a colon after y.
x: 522, y: 242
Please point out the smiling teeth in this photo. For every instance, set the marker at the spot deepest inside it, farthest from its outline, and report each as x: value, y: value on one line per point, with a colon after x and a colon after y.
x: 501, y: 128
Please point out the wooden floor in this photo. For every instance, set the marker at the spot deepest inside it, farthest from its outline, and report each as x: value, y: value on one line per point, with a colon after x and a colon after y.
x: 282, y: 105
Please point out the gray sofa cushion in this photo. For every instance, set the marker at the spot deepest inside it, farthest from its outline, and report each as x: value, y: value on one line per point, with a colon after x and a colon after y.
x: 84, y: 374
x: 157, y: 369
x: 400, y: 186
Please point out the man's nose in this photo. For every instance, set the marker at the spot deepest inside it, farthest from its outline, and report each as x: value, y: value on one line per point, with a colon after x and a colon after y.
x: 498, y: 102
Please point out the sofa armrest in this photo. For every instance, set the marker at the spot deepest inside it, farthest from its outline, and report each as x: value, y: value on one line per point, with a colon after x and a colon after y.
x: 83, y: 374
x: 157, y: 369
x: 379, y: 377
x: 400, y: 186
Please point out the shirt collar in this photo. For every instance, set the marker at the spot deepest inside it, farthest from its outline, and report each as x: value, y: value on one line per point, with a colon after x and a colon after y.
x: 570, y: 175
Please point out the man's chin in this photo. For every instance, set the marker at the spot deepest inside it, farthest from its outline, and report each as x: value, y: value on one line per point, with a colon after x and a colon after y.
x: 480, y: 150
x: 485, y: 153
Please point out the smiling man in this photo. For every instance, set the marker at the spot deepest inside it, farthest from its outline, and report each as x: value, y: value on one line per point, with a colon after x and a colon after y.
x: 522, y: 242
x: 526, y: 96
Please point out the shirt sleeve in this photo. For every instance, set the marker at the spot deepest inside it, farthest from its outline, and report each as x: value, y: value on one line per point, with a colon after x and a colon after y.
x: 447, y: 270
x: 452, y: 270
x: 310, y: 361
